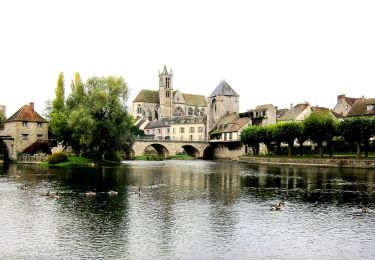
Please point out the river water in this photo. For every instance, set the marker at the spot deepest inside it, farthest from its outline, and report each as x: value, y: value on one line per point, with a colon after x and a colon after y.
x: 186, y: 210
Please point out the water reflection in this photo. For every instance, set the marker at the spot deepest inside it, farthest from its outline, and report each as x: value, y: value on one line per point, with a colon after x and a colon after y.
x: 189, y: 209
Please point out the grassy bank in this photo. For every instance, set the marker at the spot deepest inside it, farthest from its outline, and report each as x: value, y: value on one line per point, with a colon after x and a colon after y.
x: 74, y: 161
x: 182, y: 157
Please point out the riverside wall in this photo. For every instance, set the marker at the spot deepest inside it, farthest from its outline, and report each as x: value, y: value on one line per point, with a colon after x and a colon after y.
x: 339, y: 163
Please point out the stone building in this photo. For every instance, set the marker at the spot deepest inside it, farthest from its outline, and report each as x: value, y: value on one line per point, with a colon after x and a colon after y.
x: 297, y: 113
x: 229, y: 128
x: 167, y: 102
x: 363, y: 107
x: 222, y: 101
x: 264, y: 115
x: 344, y: 105
x: 29, y: 131
x: 189, y: 129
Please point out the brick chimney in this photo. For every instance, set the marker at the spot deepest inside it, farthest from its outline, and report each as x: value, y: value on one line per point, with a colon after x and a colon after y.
x: 32, y: 106
x: 340, y: 98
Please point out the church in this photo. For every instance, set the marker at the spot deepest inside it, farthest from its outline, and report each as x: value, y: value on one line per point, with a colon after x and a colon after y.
x: 168, y: 114
x: 167, y: 102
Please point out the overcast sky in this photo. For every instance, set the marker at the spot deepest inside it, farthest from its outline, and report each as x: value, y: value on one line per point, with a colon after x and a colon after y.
x: 278, y: 52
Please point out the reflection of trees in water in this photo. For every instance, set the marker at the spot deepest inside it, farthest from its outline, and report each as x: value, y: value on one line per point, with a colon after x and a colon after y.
x: 312, y: 184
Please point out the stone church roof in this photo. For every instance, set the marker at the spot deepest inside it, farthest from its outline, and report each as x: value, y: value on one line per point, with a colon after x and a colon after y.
x: 195, y: 100
x: 224, y: 89
x: 26, y: 113
x: 146, y: 95
x: 152, y: 96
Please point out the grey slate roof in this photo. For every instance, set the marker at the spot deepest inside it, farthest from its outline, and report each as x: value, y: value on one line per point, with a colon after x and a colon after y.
x: 224, y: 89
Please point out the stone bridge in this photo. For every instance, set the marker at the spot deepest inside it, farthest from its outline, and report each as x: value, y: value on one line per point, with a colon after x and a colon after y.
x: 168, y: 148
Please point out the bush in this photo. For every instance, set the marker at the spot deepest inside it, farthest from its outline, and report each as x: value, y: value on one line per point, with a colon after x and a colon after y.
x: 57, y: 158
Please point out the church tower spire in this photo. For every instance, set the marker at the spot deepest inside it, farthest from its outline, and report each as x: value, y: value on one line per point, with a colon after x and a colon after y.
x: 166, y: 92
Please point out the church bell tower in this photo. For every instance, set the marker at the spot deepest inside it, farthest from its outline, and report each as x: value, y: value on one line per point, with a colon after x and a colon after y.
x: 166, y: 93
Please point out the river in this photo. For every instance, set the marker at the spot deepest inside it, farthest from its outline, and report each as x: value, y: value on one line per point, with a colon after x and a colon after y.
x: 186, y: 210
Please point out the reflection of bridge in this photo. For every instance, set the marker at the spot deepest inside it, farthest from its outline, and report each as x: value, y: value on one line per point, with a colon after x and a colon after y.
x: 168, y: 148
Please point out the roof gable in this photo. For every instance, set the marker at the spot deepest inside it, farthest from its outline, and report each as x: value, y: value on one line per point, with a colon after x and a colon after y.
x: 26, y: 113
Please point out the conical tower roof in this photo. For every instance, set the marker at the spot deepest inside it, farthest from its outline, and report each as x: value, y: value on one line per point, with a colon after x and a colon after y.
x: 223, y: 89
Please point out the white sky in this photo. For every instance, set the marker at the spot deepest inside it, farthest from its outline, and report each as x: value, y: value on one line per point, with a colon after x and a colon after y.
x: 278, y: 52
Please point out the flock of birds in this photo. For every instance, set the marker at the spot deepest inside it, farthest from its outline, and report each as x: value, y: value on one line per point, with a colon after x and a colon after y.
x: 137, y: 191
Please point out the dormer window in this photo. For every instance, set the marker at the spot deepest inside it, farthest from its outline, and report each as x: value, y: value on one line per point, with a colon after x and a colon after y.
x: 39, y: 124
x: 24, y: 124
x: 346, y: 107
x: 370, y: 107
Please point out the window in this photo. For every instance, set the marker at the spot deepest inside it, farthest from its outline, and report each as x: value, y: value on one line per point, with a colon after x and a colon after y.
x: 174, y: 130
x: 192, y: 129
x: 179, y: 111
x: 203, y: 112
x: 346, y: 107
x: 159, y: 131
x: 39, y: 125
x: 139, y: 109
x: 225, y: 136
x: 200, y: 129
x: 182, y: 130
x: 24, y: 124
x: 25, y: 136
x: 191, y: 137
x: 39, y: 136
x: 196, y: 111
x: 370, y: 107
x: 148, y: 131
x: 190, y: 111
x: 168, y: 130
x: 230, y: 136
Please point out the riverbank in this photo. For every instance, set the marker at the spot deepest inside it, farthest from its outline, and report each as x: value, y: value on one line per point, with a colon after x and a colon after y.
x: 317, y: 162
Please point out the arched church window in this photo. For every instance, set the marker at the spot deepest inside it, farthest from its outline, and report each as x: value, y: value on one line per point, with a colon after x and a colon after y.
x: 190, y: 111
x: 196, y: 111
x: 178, y: 111
x: 167, y: 94
x: 213, y: 105
x: 203, y: 112
x: 139, y: 109
x: 167, y: 82
x: 156, y: 115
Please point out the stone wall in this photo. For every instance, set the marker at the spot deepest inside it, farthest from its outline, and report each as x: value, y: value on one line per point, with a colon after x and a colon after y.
x: 344, y: 163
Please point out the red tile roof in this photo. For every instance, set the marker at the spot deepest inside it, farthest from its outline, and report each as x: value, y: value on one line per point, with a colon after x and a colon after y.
x: 26, y: 113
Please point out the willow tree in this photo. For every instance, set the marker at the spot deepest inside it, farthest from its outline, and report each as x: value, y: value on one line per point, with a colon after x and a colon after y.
x: 101, y: 122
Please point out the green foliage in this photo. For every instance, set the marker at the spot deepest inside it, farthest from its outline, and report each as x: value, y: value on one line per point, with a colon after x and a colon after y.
x: 290, y: 131
x: 250, y: 136
x: 56, y: 158
x: 94, y: 118
x: 150, y: 157
x: 358, y: 130
x: 58, y: 103
x: 320, y: 128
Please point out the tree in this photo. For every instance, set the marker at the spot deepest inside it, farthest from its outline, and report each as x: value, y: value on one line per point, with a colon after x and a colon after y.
x: 321, y: 128
x: 276, y: 133
x: 290, y: 131
x: 302, y: 137
x: 77, y: 94
x: 58, y: 103
x: 358, y: 130
x: 265, y: 136
x: 101, y: 123
x: 249, y: 136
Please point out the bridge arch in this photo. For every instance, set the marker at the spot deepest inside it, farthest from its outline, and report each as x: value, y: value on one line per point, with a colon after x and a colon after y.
x: 209, y: 153
x: 160, y: 149
x: 191, y: 150
x: 4, y: 152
